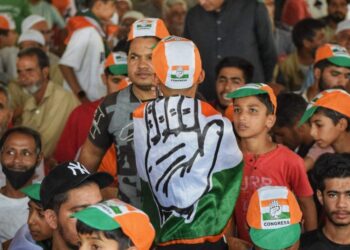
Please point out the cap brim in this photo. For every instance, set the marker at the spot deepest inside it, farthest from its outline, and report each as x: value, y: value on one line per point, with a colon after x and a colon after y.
x: 341, y: 61
x: 273, y: 239
x: 32, y: 191
x: 244, y: 92
x: 119, y: 69
x: 94, y: 218
x: 307, y: 115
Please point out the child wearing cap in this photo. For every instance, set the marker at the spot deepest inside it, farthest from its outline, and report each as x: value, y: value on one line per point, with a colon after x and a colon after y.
x: 114, y: 225
x: 274, y: 218
x: 8, y: 49
x: 186, y: 155
x: 266, y: 163
x: 329, y: 117
x: 36, y: 233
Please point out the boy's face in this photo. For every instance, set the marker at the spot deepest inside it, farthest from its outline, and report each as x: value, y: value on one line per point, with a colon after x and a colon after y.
x: 97, y: 240
x: 287, y: 136
x: 113, y: 82
x: 251, y: 117
x: 323, y: 130
x: 228, y: 80
x: 105, y: 10
x: 38, y: 227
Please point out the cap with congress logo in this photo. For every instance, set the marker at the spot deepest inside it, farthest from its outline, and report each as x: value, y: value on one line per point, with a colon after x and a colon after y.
x: 334, y: 99
x: 273, y: 217
x: 32, y: 35
x: 114, y: 214
x: 148, y: 27
x: 333, y: 53
x: 252, y: 89
x: 117, y: 63
x: 177, y: 62
x: 6, y: 22
x: 32, y: 191
x: 67, y: 176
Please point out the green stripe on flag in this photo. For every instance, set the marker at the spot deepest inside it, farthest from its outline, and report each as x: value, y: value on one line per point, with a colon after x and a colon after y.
x: 283, y: 215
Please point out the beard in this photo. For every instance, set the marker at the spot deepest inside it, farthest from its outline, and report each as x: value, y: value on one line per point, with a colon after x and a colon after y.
x: 338, y: 224
x: 69, y: 244
x: 323, y: 85
x: 337, y: 17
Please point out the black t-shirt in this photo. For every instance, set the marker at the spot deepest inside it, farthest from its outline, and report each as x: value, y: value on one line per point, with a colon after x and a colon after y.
x: 316, y: 240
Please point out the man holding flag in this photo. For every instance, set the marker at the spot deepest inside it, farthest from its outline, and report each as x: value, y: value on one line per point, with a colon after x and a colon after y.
x: 186, y: 155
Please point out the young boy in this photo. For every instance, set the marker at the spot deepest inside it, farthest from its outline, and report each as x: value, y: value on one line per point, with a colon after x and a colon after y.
x: 329, y: 115
x: 266, y: 163
x: 36, y: 234
x: 114, y: 225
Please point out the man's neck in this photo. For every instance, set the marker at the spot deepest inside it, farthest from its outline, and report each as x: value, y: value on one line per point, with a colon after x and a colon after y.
x: 305, y: 57
x: 342, y: 145
x: 257, y: 145
x: 144, y: 95
x: 57, y: 242
x: 337, y: 234
x: 41, y: 92
x: 11, y: 192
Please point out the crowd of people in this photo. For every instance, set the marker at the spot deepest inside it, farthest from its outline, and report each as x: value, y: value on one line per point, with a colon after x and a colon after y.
x: 174, y: 124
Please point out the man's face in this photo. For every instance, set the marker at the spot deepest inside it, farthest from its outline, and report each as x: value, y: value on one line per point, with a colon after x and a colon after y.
x: 105, y: 10
x: 318, y: 40
x: 19, y: 152
x: 250, y: 117
x: 287, y: 136
x: 29, y: 72
x: 43, y: 27
x: 125, y: 27
x: 5, y: 113
x: 122, y: 7
x: 78, y: 199
x: 140, y: 68
x: 228, y: 80
x: 175, y: 18
x: 38, y: 227
x: 10, y: 39
x: 211, y: 5
x: 337, y: 10
x: 323, y: 130
x: 335, y: 199
x: 334, y: 77
x: 343, y: 39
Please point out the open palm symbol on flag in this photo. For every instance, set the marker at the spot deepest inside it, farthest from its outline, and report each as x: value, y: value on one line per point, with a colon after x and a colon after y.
x: 181, y: 154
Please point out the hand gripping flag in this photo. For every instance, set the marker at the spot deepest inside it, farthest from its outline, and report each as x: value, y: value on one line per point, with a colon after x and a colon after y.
x: 190, y: 168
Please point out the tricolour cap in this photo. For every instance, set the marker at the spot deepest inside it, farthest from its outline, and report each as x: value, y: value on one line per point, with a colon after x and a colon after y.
x: 6, y: 22
x: 67, y: 176
x: 29, y: 21
x: 32, y: 35
x: 334, y: 99
x: 117, y: 63
x: 273, y: 217
x: 177, y: 62
x: 252, y: 89
x: 343, y: 25
x: 333, y: 53
x: 114, y: 214
x: 32, y: 191
x: 148, y: 27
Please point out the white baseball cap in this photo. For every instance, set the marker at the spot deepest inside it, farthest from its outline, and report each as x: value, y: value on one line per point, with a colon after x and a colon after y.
x: 28, y: 22
x: 32, y: 35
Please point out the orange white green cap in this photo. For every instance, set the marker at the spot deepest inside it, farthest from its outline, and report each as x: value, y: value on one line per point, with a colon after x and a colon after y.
x: 117, y: 63
x: 273, y: 217
x: 177, y: 62
x: 114, y: 214
x: 153, y: 27
x: 6, y: 22
x: 252, y: 89
x: 334, y: 99
x: 333, y: 53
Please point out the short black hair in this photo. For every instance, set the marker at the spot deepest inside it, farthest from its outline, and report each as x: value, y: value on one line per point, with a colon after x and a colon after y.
x: 25, y: 131
x: 118, y: 235
x: 265, y: 99
x: 329, y: 1
x: 305, y: 29
x: 4, y: 32
x: 329, y: 166
x: 236, y: 62
x: 291, y: 107
x: 43, y: 59
x: 333, y: 115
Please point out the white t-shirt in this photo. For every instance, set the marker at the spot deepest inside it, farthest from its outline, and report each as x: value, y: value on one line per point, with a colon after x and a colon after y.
x: 85, y: 53
x: 13, y: 215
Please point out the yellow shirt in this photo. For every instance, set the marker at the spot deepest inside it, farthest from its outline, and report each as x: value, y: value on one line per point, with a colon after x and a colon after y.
x: 50, y: 115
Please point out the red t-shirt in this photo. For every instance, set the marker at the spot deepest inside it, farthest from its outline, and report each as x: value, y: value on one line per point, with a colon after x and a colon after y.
x: 279, y: 167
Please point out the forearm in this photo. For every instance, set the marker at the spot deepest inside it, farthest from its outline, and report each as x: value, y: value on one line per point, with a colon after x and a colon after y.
x: 70, y: 77
x: 307, y: 206
x: 91, y: 155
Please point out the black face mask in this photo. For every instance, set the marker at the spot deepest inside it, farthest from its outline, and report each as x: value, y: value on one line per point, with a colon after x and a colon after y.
x: 17, y: 179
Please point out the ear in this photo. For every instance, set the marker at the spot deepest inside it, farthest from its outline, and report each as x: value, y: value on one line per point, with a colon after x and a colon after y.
x: 201, y: 77
x: 104, y: 79
x: 271, y: 119
x: 342, y: 124
x: 319, y: 196
x: 306, y: 43
x: 40, y: 157
x: 46, y: 72
x: 317, y: 74
x: 51, y: 218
